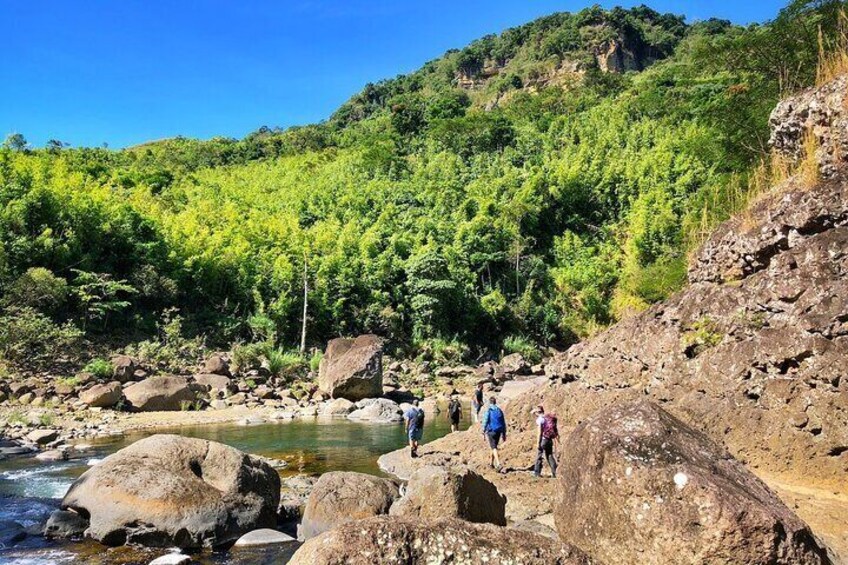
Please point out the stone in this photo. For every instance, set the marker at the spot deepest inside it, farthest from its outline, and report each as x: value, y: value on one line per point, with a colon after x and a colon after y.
x: 26, y: 398
x: 159, y: 394
x: 124, y: 368
x: 19, y: 388
x: 53, y: 455
x: 103, y: 395
x: 338, y: 407
x: 637, y: 485
x: 211, y: 381
x: 380, y: 411
x: 263, y: 537
x: 385, y: 539
x: 513, y: 389
x: 65, y: 524
x: 352, y: 368
x: 340, y: 497
x: 217, y: 364
x: 172, y: 559
x: 515, y: 364
x: 42, y: 437
x: 168, y: 490
x: 456, y: 492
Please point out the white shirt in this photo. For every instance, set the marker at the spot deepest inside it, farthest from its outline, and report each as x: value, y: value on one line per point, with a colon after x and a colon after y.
x: 540, y: 420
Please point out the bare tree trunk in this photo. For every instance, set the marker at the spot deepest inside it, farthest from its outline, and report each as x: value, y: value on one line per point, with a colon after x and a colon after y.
x: 305, y: 305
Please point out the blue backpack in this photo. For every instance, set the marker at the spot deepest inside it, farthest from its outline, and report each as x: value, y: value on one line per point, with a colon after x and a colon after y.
x: 496, y: 422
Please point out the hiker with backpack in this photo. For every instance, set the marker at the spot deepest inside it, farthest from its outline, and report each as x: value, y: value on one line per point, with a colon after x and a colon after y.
x: 477, y: 402
x: 414, y: 417
x: 494, y: 430
x: 547, y: 435
x: 454, y: 413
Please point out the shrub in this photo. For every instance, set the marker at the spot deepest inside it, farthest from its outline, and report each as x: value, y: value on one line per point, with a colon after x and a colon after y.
x: 249, y: 355
x: 703, y: 335
x: 523, y: 345
x: 46, y: 419
x: 315, y: 361
x: 31, y: 339
x: 283, y: 362
x: 100, y: 368
x: 40, y: 289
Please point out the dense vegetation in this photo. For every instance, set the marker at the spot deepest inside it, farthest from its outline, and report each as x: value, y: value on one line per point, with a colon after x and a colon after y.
x: 511, y: 194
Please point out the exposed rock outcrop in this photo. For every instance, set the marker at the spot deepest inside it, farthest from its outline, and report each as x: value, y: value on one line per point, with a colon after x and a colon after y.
x: 102, y: 395
x: 403, y: 540
x: 458, y: 492
x: 171, y: 490
x: 339, y: 497
x: 638, y: 485
x: 377, y: 411
x: 352, y: 368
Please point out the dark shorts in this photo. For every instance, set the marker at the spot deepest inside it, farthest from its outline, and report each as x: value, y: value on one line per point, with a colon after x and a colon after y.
x: 495, y: 438
x: 454, y: 418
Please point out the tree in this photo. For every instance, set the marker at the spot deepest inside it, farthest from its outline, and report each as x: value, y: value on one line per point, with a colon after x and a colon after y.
x: 55, y: 145
x: 100, y: 295
x: 16, y: 142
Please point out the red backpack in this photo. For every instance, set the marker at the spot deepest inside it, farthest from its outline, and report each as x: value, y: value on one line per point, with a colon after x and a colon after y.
x: 549, y: 427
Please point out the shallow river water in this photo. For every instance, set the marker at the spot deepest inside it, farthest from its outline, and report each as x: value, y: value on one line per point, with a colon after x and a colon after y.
x: 30, y: 489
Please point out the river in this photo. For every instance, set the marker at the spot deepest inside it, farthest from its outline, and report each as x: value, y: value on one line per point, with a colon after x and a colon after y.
x: 31, y: 489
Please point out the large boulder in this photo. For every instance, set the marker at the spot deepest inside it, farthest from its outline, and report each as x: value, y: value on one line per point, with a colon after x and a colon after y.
x: 352, y: 368
x: 212, y: 381
x: 340, y: 497
x: 338, y: 407
x: 387, y: 539
x: 637, y: 485
x: 102, y: 395
x: 124, y: 368
x: 457, y: 492
x: 217, y: 364
x: 377, y: 411
x: 159, y: 393
x: 170, y: 490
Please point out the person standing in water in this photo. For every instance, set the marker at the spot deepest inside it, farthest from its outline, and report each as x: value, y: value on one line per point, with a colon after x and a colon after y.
x: 454, y: 413
x: 494, y: 430
x: 477, y: 402
x: 414, y: 417
x: 547, y: 435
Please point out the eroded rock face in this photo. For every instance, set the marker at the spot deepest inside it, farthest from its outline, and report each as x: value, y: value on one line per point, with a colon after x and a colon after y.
x: 159, y: 393
x: 637, y: 485
x: 377, y: 411
x: 352, y: 368
x: 402, y: 540
x: 339, y: 497
x: 458, y: 492
x: 170, y: 490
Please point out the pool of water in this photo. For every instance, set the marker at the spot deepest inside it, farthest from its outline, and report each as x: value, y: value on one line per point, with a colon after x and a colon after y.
x: 31, y: 489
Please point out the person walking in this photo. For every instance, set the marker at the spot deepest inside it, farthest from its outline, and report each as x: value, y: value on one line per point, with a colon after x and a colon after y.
x: 477, y: 402
x: 494, y: 430
x: 414, y: 417
x: 454, y: 413
x: 547, y: 435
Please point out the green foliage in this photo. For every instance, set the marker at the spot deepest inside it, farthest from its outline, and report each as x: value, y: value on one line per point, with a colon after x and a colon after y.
x: 315, y: 361
x: 171, y: 349
x: 46, y: 419
x: 16, y: 417
x: 30, y: 339
x: 523, y: 345
x: 701, y: 336
x: 540, y: 203
x: 99, y: 368
x: 284, y: 363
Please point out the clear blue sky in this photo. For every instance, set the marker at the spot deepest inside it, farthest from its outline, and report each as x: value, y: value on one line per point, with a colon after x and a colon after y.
x: 127, y: 71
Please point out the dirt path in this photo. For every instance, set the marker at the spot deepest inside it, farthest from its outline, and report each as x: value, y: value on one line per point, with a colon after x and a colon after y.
x: 824, y: 509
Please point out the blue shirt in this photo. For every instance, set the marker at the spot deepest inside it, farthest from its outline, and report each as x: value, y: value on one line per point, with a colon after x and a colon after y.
x: 411, y: 416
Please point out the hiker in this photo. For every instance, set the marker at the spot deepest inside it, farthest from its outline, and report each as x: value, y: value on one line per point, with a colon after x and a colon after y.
x: 547, y: 435
x: 454, y: 413
x: 494, y: 430
x: 477, y: 402
x: 414, y: 426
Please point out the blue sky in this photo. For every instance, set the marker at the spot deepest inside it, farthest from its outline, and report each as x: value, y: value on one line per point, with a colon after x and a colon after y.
x: 128, y: 71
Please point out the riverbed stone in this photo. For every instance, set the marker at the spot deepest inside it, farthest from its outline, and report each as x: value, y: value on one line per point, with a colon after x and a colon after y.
x: 65, y: 524
x: 211, y: 382
x: 457, y: 492
x: 172, y: 559
x: 42, y: 437
x: 103, y: 395
x: 637, y: 485
x: 217, y: 364
x: 124, y: 368
x: 11, y: 533
x: 341, y: 496
x: 168, y: 490
x: 379, y: 411
x: 352, y: 368
x: 338, y: 407
x: 265, y: 536
x: 392, y: 539
x: 159, y: 393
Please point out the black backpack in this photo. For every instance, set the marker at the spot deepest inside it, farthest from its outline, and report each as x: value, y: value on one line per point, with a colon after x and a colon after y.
x: 455, y: 408
x: 419, y: 419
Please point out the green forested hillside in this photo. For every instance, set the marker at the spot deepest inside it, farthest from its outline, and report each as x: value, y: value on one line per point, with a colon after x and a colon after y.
x: 526, y: 190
